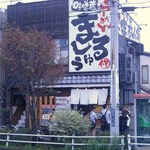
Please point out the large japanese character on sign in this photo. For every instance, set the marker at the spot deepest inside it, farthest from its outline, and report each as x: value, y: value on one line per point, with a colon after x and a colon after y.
x: 104, y: 20
x: 84, y: 5
x: 105, y: 6
x: 86, y: 38
x: 83, y: 38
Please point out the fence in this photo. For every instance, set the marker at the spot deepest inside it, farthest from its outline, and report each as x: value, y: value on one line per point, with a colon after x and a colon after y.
x: 57, y: 140
x: 72, y: 141
x: 138, y: 142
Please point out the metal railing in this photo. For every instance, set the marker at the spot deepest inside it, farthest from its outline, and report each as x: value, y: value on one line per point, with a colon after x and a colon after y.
x: 138, y: 141
x: 57, y: 140
x: 133, y: 142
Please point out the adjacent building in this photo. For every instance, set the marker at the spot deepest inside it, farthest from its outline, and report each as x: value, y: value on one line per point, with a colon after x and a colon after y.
x: 3, y: 19
x: 145, y: 72
x: 142, y: 99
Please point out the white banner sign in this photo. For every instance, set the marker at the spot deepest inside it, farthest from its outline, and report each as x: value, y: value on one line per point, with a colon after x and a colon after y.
x: 62, y: 103
x: 89, y: 35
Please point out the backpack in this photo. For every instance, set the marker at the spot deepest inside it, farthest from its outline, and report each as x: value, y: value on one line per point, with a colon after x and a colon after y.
x: 103, y: 119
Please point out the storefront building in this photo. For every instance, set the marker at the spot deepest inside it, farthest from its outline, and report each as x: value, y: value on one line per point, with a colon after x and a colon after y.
x: 82, y: 31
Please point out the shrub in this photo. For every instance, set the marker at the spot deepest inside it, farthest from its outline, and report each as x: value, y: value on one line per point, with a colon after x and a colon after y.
x: 68, y: 122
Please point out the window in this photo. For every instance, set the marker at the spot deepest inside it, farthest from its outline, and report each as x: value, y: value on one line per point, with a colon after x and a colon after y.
x: 64, y: 44
x: 145, y: 74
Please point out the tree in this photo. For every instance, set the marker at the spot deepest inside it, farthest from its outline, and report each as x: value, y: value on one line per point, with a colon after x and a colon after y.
x: 33, y: 60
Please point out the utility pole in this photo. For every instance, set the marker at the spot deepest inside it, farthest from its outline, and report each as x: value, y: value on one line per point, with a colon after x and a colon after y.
x: 114, y: 92
x: 10, y: 2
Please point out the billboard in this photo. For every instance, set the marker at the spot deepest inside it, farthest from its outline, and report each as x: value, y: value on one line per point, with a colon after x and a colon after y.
x: 128, y: 27
x: 89, y: 35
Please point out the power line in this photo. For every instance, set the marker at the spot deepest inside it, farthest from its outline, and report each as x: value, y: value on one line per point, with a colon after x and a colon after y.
x: 8, y: 1
x: 143, y: 7
x: 3, y: 2
x: 132, y: 8
x: 128, y: 3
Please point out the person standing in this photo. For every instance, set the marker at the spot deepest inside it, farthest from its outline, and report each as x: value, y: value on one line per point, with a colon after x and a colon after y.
x: 106, y: 113
x: 124, y: 120
x: 93, y: 118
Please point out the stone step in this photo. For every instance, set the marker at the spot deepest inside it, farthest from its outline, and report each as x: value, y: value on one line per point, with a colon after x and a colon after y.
x: 23, y: 117
x: 20, y: 122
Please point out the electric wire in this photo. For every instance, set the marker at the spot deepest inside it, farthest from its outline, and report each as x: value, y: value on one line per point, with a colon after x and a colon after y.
x: 135, y: 3
x: 23, y: 1
x: 127, y: 3
x: 142, y: 7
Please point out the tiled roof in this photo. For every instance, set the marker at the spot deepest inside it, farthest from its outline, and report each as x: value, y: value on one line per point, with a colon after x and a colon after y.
x: 85, y: 79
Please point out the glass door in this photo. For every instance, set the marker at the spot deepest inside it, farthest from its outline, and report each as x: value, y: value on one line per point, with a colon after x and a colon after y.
x: 143, y: 118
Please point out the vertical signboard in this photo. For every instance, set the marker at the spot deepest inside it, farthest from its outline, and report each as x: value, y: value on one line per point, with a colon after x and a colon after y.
x: 89, y: 35
x: 128, y: 27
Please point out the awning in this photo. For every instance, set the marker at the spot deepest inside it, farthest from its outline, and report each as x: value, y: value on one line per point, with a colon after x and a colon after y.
x: 93, y: 96
x: 142, y: 96
x: 102, y: 96
x: 89, y: 96
x: 84, y: 97
x: 75, y: 96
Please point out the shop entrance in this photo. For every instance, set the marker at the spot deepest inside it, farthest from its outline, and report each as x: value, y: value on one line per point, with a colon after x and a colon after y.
x: 18, y: 108
x: 47, y: 105
x: 142, y: 116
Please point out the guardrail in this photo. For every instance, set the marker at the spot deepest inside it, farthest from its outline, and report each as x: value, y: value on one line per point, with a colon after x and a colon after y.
x: 136, y: 141
x: 71, y: 141
x: 133, y: 142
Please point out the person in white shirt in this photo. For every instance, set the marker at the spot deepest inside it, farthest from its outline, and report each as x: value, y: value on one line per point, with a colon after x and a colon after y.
x: 93, y: 118
x: 105, y: 111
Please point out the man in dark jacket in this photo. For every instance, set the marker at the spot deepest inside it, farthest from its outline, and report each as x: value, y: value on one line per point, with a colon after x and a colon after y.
x: 124, y: 120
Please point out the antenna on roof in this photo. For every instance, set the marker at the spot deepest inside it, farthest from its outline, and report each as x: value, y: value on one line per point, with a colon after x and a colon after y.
x: 11, y: 1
